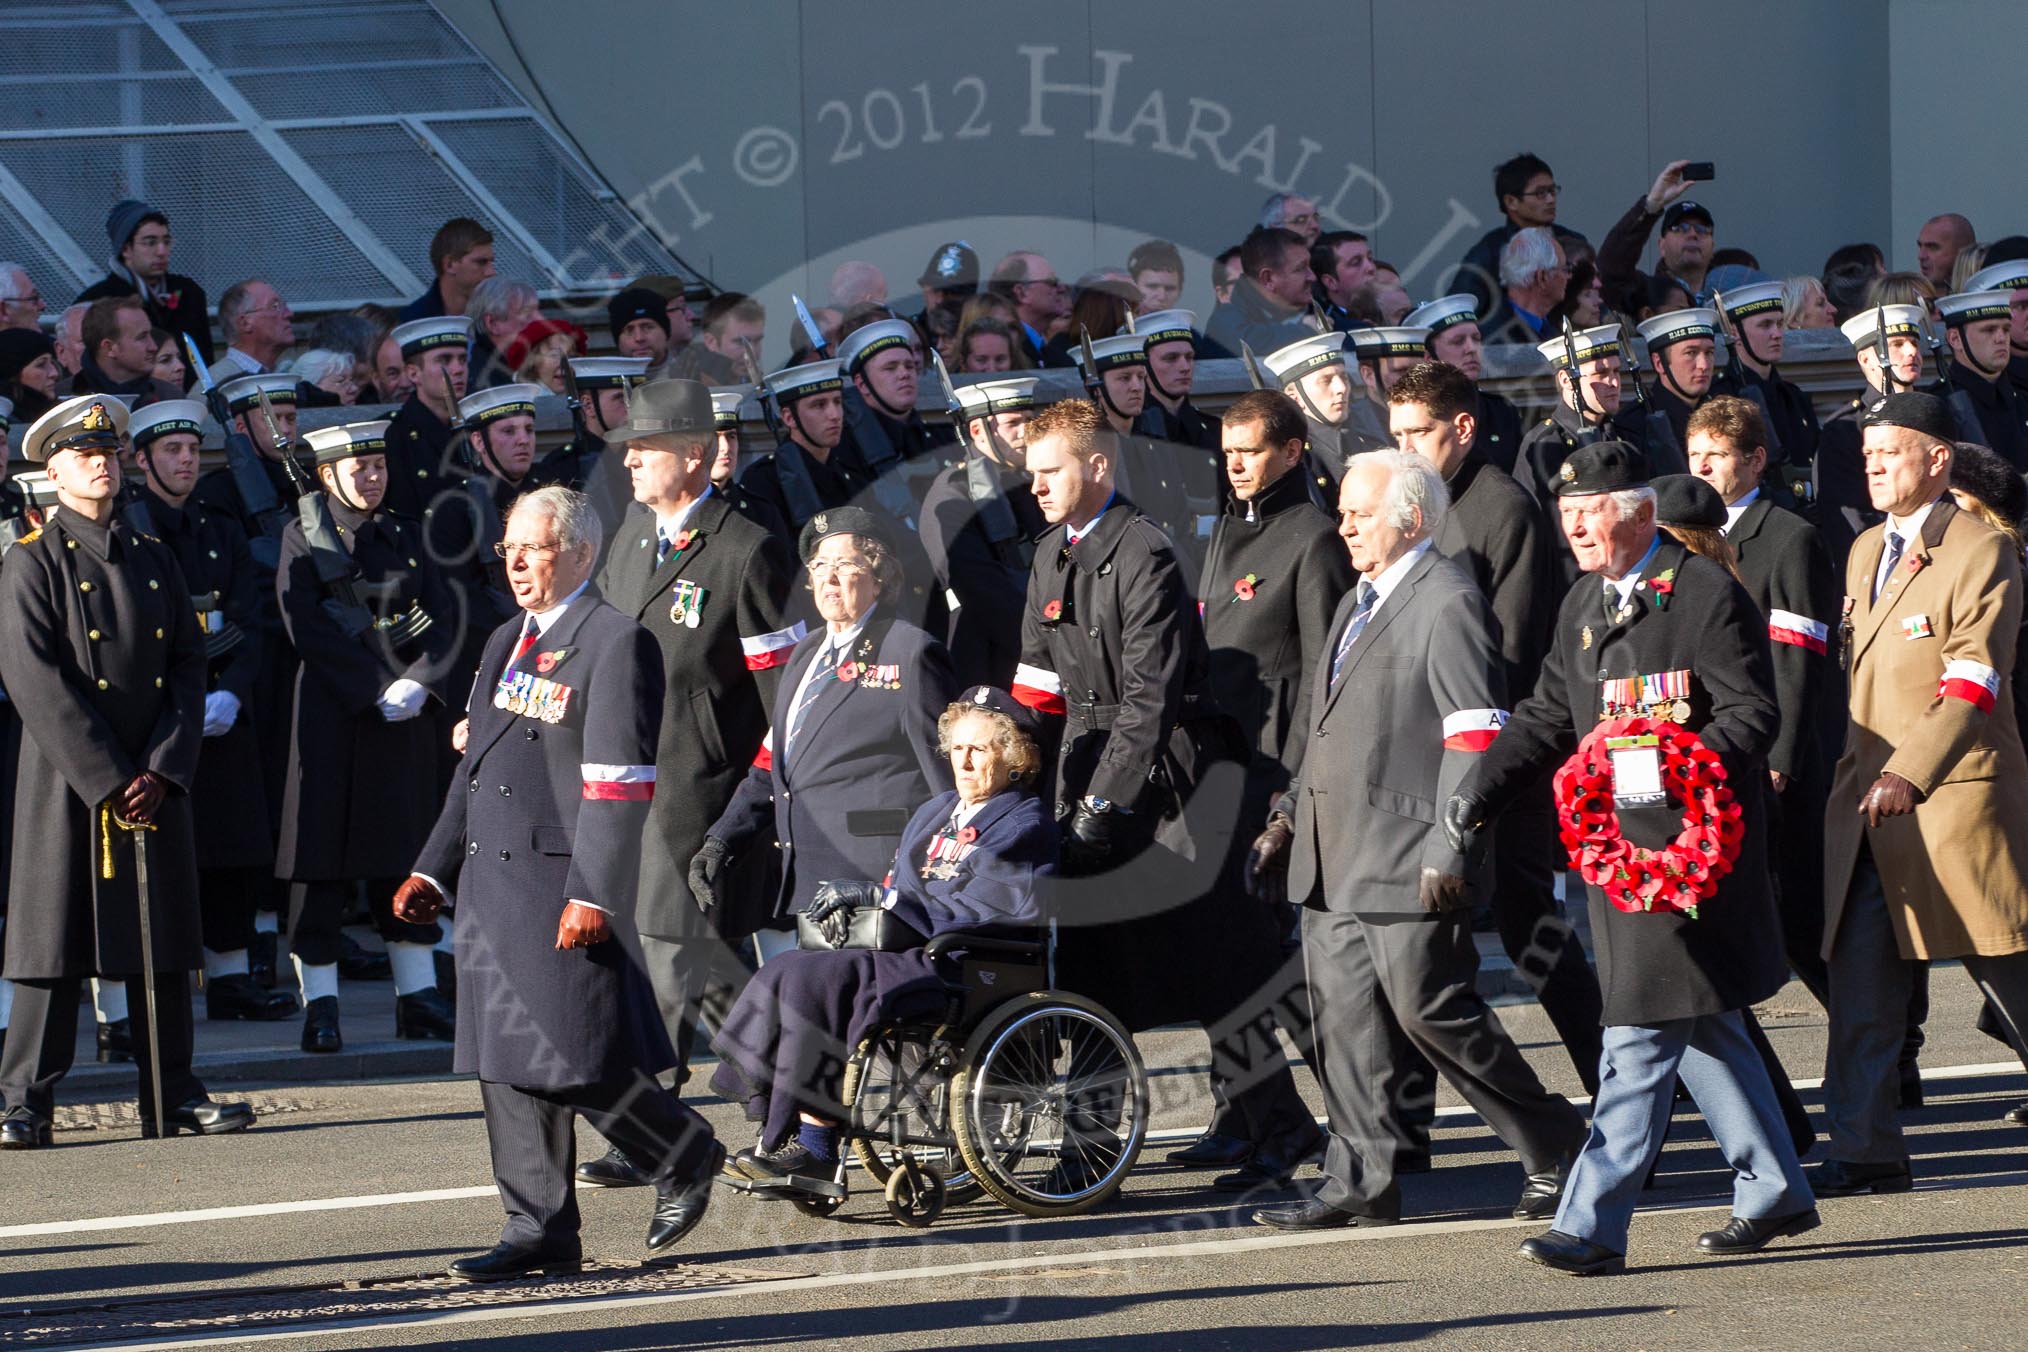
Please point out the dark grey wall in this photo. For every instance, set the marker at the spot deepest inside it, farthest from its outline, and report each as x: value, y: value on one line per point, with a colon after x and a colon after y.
x: 1391, y: 112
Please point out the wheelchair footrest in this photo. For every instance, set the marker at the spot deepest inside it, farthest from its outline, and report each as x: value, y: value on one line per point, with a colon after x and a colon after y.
x: 782, y: 1189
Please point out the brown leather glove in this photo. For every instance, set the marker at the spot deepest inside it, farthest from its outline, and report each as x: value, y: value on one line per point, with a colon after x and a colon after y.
x: 416, y: 901
x: 1890, y: 796
x: 1441, y: 892
x: 141, y: 796
x: 1267, y: 863
x: 582, y: 926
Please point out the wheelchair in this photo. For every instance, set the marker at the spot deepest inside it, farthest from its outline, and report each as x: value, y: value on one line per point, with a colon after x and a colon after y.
x: 1034, y: 1097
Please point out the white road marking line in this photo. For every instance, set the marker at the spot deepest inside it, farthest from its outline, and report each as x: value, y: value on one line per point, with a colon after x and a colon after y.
x: 1202, y: 1248
x: 1980, y: 1070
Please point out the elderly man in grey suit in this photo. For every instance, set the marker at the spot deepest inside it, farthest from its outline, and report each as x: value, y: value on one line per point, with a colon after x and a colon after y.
x: 1407, y: 694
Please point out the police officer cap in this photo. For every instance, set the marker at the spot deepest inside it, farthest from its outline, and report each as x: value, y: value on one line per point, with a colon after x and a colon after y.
x: 637, y: 302
x: 1602, y: 467
x: 953, y: 267
x: 423, y: 335
x: 86, y: 422
x: 1686, y: 500
x: 166, y: 417
x: 1918, y: 412
x: 1166, y: 326
x: 993, y: 699
x: 725, y: 407
x: 1443, y: 312
x: 868, y: 341
x: 1985, y: 475
x: 329, y: 445
x: 843, y: 521
x: 244, y: 392
x: 501, y: 401
x: 668, y: 412
x: 1290, y: 364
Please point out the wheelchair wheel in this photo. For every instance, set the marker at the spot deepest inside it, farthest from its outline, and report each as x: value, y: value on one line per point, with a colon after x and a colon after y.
x: 891, y: 1081
x: 820, y: 1208
x: 1050, y: 1104
x: 916, y: 1197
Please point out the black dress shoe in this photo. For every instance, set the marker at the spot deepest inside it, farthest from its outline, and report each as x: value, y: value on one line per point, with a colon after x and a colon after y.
x: 613, y: 1170
x: 1316, y: 1215
x: 447, y: 974
x: 116, y: 1040
x: 23, y: 1131
x: 1540, y: 1193
x: 678, y: 1210
x: 425, y: 1015
x: 1843, y: 1178
x: 239, y: 996
x: 202, y: 1117
x: 356, y: 962
x: 2018, y: 1115
x: 1568, y: 1253
x: 320, y: 1025
x: 1212, y: 1151
x: 505, y: 1262
x: 260, y: 960
x: 1742, y: 1235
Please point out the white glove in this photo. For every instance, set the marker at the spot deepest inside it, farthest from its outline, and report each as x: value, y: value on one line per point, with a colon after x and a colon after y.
x: 221, y: 711
x: 402, y: 700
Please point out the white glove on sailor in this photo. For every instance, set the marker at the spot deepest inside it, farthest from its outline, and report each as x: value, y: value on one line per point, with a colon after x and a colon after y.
x: 221, y: 711
x: 402, y: 700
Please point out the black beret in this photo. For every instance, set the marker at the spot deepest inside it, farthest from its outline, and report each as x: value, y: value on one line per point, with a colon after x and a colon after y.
x: 1918, y: 412
x: 1602, y: 467
x: 996, y: 700
x: 843, y: 521
x: 1686, y: 500
x: 1989, y: 478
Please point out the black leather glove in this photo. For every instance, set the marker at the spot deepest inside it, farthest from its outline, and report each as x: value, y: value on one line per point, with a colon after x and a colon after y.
x: 1464, y: 819
x: 831, y: 910
x: 1267, y: 863
x: 707, y: 866
x: 1441, y: 892
x: 1088, y: 840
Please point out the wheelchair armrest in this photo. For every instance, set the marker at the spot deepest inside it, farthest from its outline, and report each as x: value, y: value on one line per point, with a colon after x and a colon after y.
x: 984, y: 946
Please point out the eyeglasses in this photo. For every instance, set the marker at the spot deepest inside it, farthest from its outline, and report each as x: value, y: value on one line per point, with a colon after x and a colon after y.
x: 1547, y: 190
x: 1689, y: 228
x: 32, y: 298
x: 819, y: 569
x: 514, y: 549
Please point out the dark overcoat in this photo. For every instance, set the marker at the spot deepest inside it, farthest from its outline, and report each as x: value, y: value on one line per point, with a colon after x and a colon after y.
x: 1657, y: 966
x: 987, y: 578
x: 421, y: 451
x: 543, y: 813
x: 99, y: 646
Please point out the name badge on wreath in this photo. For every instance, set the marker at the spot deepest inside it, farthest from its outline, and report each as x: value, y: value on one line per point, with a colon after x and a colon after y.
x: 1637, y: 771
x: 686, y: 604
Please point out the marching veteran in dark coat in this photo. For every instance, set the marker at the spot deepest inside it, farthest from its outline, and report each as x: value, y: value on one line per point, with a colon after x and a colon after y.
x: 1658, y: 631
x: 235, y: 850
x: 364, y: 757
x: 854, y: 732
x: 98, y: 642
x: 1925, y: 836
x: 969, y: 859
x: 1149, y: 773
x: 538, y: 846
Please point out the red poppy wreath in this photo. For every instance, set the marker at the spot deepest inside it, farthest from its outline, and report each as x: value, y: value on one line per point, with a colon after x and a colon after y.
x: 1678, y: 877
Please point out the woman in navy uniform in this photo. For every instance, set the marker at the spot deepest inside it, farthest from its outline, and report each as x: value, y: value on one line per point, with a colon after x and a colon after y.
x: 98, y: 638
x: 363, y: 758
x: 969, y: 859
x: 539, y: 846
x: 235, y: 845
x: 854, y: 731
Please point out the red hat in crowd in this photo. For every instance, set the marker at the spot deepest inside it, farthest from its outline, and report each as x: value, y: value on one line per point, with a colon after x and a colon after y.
x: 525, y: 341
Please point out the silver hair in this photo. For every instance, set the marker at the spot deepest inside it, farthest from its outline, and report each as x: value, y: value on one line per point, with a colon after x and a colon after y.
x: 77, y: 311
x: 1275, y: 211
x: 497, y: 298
x: 319, y: 362
x: 570, y: 511
x: 1629, y: 500
x: 857, y: 282
x: 1527, y: 256
x: 1413, y: 485
x: 7, y: 273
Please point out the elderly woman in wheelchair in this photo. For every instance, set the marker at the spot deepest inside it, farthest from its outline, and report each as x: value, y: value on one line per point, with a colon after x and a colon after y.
x: 857, y: 1034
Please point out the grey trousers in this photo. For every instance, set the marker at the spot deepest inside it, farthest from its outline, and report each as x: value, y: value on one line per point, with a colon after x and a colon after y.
x: 1870, y: 986
x: 1423, y: 971
x: 1724, y: 1073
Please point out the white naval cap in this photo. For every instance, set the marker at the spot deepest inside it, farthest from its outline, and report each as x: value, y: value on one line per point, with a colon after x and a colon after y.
x: 329, y: 445
x: 1967, y: 307
x: 244, y: 392
x: 1290, y: 364
x: 1110, y: 354
x: 1587, y: 345
x: 1166, y: 326
x: 863, y: 344
x: 1861, y: 329
x: 81, y: 423
x: 725, y: 402
x: 422, y: 335
x: 812, y: 377
x: 1678, y: 326
x: 1752, y: 299
x: 166, y: 417
x: 1441, y: 313
x: 1999, y: 277
x: 607, y: 373
x: 501, y: 401
x: 1395, y: 341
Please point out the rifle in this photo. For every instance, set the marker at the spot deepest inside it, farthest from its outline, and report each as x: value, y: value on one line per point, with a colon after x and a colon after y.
x: 1735, y: 338
x: 818, y: 346
x: 243, y: 463
x: 769, y: 413
x: 1253, y: 372
x: 334, y: 565
x: 1963, y: 412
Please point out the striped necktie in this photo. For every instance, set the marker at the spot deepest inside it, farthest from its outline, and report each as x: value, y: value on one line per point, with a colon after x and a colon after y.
x: 529, y: 634
x: 1895, y: 544
x: 1362, y: 611
x: 827, y: 665
x: 662, y: 546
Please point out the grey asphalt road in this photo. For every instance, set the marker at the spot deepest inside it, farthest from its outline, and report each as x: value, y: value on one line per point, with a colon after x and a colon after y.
x: 110, y: 1241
